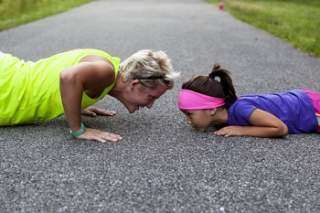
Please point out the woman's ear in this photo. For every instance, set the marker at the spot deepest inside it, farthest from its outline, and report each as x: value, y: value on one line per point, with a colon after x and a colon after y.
x: 133, y: 83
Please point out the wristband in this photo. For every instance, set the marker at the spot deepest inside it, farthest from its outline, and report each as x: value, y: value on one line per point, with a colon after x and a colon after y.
x: 78, y: 132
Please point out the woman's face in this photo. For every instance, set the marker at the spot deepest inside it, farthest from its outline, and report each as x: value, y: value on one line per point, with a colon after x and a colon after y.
x: 138, y: 96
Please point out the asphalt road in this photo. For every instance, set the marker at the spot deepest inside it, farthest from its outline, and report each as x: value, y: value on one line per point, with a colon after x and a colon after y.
x: 161, y: 165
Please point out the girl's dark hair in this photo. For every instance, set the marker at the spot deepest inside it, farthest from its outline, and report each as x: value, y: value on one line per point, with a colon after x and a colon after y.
x: 211, y: 86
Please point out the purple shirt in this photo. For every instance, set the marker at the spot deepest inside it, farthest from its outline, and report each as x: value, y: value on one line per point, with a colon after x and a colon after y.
x: 294, y: 108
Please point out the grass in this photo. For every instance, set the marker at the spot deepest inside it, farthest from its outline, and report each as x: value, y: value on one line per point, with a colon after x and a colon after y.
x: 296, y: 21
x: 16, y: 12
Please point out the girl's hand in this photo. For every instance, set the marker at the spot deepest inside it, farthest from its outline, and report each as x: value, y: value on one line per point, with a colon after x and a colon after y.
x: 263, y: 124
x: 94, y: 111
x: 229, y: 131
x: 100, y: 136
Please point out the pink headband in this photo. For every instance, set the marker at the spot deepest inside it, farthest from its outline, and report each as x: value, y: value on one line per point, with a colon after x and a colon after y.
x: 189, y: 99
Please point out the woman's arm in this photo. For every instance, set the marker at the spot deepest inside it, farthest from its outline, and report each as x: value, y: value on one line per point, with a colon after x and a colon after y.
x: 92, y: 78
x: 264, y: 124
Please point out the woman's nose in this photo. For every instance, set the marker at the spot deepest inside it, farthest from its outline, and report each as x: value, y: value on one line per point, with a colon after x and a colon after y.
x: 150, y: 105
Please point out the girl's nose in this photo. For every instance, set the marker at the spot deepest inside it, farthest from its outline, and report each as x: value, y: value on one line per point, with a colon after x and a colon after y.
x: 189, y: 121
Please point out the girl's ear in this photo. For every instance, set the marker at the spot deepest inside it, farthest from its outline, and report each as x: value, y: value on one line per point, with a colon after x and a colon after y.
x: 213, y: 111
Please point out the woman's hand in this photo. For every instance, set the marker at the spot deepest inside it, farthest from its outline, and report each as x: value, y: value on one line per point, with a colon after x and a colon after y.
x: 94, y: 111
x: 100, y: 136
x: 89, y: 77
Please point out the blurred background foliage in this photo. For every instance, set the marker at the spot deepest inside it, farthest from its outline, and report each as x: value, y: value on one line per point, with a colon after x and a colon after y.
x: 15, y: 12
x: 296, y: 21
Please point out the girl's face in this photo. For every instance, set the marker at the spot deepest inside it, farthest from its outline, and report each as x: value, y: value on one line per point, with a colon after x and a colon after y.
x: 199, y: 119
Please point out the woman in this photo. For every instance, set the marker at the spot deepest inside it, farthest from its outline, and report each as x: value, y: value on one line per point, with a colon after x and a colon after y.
x: 69, y: 82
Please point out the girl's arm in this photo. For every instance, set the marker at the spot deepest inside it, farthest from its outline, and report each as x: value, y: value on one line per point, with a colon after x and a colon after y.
x: 92, y: 78
x: 264, y: 124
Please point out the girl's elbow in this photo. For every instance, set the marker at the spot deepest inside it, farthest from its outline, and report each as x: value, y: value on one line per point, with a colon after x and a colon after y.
x: 283, y: 130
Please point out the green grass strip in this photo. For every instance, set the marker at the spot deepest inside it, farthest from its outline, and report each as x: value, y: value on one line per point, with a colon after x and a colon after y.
x: 296, y: 21
x: 16, y: 12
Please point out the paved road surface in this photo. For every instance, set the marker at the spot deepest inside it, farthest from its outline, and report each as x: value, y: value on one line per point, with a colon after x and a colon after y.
x: 161, y: 165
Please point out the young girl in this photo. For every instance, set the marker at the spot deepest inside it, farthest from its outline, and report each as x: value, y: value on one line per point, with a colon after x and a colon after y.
x: 211, y: 100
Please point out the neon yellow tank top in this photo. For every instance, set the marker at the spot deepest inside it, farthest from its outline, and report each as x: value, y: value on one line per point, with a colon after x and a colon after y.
x: 30, y: 91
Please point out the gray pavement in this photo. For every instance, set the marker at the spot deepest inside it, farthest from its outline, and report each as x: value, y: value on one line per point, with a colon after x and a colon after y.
x: 161, y: 165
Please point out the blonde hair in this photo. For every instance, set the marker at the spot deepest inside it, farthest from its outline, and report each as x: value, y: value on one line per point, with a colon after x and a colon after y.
x: 150, y: 67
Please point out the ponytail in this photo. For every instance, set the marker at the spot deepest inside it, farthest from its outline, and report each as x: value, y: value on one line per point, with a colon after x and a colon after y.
x: 226, y: 82
x: 218, y: 84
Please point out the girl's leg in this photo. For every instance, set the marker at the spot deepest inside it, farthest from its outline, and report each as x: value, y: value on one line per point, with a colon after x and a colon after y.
x: 318, y: 119
x: 315, y: 99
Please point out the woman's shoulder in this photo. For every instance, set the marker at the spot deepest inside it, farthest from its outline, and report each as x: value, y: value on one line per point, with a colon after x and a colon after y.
x: 92, y: 51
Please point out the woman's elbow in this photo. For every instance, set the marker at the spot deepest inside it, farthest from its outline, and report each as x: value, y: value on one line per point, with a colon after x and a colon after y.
x: 66, y: 77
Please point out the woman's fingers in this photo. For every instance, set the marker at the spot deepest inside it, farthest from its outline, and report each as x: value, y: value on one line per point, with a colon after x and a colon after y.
x: 111, y: 137
x: 105, y: 112
x: 88, y: 112
x: 101, y: 140
x: 94, y: 111
x: 100, y: 136
x: 92, y: 114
